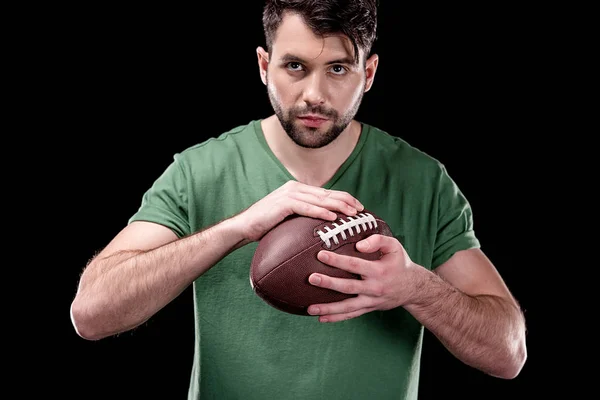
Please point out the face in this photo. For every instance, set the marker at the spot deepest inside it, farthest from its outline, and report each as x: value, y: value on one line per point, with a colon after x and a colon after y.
x: 314, y: 84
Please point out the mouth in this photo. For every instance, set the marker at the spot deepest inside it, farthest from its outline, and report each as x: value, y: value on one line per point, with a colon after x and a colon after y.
x: 313, y: 117
x: 312, y: 121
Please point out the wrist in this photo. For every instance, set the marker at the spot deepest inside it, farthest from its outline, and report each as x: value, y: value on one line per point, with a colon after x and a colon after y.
x: 423, y: 284
x: 234, y: 230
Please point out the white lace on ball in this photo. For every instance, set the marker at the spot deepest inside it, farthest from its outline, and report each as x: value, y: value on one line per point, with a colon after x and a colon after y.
x: 366, y: 221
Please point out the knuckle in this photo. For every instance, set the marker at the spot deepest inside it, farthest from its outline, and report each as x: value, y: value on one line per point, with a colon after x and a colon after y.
x: 378, y: 271
x: 378, y: 290
x: 345, y: 206
x: 326, y: 214
x: 348, y: 287
x: 290, y: 185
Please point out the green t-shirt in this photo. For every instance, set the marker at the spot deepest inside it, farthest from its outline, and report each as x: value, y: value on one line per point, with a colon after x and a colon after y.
x: 247, y: 350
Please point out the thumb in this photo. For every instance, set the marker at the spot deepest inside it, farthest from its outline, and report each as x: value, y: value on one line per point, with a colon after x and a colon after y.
x: 376, y: 242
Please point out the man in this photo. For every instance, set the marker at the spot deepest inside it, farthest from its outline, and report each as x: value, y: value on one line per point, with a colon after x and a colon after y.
x: 200, y: 222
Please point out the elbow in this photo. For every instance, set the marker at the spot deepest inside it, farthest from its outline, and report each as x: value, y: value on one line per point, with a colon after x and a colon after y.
x: 81, y: 321
x: 513, y: 363
x: 518, y: 362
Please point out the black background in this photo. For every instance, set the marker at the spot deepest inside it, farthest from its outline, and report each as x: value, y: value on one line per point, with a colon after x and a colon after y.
x: 127, y: 87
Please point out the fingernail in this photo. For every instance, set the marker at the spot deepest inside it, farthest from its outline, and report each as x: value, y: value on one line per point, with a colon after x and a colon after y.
x: 323, y: 256
x: 359, y: 206
x: 314, y: 310
x: 316, y: 279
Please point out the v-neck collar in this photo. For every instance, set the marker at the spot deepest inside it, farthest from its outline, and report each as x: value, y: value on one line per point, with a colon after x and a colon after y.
x: 357, y: 149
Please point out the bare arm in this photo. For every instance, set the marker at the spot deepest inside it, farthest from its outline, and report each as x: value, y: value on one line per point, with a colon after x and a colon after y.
x: 146, y: 266
x: 121, y: 288
x: 467, y: 306
x: 464, y: 303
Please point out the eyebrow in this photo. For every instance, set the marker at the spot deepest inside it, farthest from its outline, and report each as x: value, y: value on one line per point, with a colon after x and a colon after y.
x: 292, y: 58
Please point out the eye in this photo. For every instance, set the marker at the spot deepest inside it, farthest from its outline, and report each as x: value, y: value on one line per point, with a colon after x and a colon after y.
x: 294, y: 66
x: 339, y: 70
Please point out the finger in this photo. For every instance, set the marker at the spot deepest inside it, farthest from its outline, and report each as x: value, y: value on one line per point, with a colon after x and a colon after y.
x: 344, y: 317
x: 310, y: 210
x: 334, y: 194
x: 377, y: 242
x: 329, y: 203
x: 351, y: 264
x: 346, y: 285
x: 340, y: 307
x: 342, y: 285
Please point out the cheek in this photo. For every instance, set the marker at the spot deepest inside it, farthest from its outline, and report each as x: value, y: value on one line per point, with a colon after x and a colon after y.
x: 345, y: 94
x: 283, y: 88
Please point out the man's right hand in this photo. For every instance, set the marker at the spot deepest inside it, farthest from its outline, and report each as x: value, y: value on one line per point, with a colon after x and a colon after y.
x: 294, y: 198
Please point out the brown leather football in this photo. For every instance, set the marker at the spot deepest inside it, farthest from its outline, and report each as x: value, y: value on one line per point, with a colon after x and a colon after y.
x: 287, y: 255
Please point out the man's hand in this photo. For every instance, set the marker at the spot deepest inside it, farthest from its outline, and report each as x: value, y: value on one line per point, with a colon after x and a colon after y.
x: 386, y: 283
x: 294, y: 198
x: 470, y: 310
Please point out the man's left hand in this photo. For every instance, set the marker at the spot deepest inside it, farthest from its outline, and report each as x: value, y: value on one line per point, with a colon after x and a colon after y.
x: 386, y: 283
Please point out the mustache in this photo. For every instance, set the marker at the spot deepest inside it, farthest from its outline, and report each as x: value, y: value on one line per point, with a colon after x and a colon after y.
x: 320, y: 110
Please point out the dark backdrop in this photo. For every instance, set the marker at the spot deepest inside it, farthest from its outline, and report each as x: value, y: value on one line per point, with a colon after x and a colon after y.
x: 138, y: 84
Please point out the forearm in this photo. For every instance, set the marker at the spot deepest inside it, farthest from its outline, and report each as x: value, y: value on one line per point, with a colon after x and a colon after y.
x: 485, y: 332
x: 123, y: 290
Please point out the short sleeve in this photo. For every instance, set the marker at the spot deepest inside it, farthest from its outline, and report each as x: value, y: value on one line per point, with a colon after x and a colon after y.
x: 165, y: 202
x: 455, y: 221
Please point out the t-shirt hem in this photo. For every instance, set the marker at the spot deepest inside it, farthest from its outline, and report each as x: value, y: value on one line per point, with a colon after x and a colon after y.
x: 466, y: 242
x: 157, y: 216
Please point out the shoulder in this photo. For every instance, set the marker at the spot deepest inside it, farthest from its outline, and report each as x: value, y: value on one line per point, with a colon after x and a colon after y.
x: 219, y: 146
x: 398, y: 153
x: 223, y: 140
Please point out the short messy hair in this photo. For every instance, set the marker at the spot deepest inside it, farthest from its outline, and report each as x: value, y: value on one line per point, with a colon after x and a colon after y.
x: 356, y: 19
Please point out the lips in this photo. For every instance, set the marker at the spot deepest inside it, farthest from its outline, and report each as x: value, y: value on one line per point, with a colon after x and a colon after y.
x: 312, y: 121
x: 313, y: 117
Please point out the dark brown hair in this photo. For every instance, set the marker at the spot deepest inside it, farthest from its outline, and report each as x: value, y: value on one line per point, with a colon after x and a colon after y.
x: 356, y: 19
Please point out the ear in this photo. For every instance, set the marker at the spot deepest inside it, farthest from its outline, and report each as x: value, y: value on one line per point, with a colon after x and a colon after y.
x: 263, y: 63
x: 371, y: 68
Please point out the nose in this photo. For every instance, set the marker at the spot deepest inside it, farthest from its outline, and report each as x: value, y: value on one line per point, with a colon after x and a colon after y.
x: 314, y: 92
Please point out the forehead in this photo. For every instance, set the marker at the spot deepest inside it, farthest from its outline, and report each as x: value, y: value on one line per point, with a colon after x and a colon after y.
x: 295, y: 37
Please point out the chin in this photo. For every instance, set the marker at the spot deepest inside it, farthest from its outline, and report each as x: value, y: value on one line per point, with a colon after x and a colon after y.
x: 312, y: 138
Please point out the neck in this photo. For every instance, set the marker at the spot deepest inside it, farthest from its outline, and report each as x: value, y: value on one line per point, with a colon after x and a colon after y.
x: 310, y: 166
